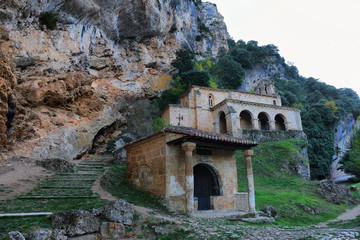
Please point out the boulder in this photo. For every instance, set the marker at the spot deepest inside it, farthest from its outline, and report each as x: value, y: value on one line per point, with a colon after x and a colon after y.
x: 14, y: 235
x: 40, y: 235
x: 310, y: 209
x: 57, y: 165
x: 87, y: 237
x: 59, y: 234
x: 354, y: 188
x: 112, y: 230
x: 74, y: 223
x: 119, y: 211
x: 270, y: 211
x: 336, y: 194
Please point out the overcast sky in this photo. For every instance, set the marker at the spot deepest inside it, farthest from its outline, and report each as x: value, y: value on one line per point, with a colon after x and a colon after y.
x: 321, y: 37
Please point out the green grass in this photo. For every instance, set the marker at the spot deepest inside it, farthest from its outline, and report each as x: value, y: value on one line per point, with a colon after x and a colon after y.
x: 277, y: 184
x: 115, y: 183
x: 28, y: 224
x: 22, y: 224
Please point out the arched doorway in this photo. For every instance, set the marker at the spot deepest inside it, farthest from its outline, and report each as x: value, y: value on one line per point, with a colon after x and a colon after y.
x: 280, y: 123
x: 245, y: 120
x: 222, y: 123
x: 264, y: 121
x: 206, y: 184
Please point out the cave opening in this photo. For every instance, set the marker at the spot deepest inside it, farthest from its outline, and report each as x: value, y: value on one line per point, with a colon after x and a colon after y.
x: 11, y: 113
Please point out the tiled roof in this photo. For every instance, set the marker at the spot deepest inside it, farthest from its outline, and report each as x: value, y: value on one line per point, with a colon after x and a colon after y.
x: 196, y: 134
x: 206, y: 135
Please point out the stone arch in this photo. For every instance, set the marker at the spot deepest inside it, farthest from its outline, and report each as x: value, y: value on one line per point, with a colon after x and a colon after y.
x: 246, y: 120
x: 280, y: 121
x: 264, y: 121
x: 206, y: 184
x: 211, y: 100
x: 222, y: 122
x: 144, y: 177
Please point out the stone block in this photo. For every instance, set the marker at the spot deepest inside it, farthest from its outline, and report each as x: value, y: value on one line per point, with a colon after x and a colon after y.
x: 112, y: 230
x: 119, y: 211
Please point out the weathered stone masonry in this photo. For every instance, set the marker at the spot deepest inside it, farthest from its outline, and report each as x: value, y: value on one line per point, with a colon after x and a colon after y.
x: 192, y: 164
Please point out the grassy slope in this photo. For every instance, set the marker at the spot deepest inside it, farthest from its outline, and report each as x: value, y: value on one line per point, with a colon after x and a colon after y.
x: 115, y: 183
x: 282, y: 189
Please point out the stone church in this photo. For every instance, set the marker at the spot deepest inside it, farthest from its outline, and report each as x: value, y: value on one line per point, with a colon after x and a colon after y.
x: 191, y: 162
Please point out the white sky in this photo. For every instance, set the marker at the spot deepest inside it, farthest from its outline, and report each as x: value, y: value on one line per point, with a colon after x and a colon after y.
x: 321, y: 37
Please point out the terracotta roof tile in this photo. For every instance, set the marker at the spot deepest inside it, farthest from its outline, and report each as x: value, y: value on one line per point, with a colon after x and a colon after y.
x: 205, y: 134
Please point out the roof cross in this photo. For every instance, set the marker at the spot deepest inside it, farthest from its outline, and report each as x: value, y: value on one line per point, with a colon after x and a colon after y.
x: 179, y: 118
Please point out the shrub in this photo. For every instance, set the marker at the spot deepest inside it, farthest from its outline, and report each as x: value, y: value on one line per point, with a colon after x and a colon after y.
x: 49, y: 19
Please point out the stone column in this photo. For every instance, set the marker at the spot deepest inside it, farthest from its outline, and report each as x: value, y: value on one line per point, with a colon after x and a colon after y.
x: 272, y: 126
x: 255, y: 123
x: 231, y: 124
x: 188, y: 148
x: 250, y: 181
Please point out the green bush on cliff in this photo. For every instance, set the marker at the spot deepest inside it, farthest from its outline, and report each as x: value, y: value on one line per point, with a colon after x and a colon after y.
x: 49, y: 19
x: 351, y: 160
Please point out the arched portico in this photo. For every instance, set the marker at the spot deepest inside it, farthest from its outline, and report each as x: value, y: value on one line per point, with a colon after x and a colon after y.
x: 264, y: 121
x: 222, y: 122
x: 246, y: 120
x: 280, y: 122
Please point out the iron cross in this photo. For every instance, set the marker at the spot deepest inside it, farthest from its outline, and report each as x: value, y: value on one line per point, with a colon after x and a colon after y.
x: 180, y: 118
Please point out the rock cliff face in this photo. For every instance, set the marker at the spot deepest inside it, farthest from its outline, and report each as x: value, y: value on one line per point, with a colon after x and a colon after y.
x: 60, y: 87
x: 342, y: 137
x: 259, y: 78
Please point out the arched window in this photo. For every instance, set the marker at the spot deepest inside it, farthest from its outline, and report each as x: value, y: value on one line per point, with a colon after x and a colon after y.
x: 222, y: 123
x: 211, y: 101
x: 274, y: 102
x: 264, y: 121
x: 280, y: 123
x: 245, y: 120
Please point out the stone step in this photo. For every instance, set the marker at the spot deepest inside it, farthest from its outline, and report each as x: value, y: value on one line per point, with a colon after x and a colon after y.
x: 55, y: 197
x: 68, y: 187
x: 25, y: 214
x: 77, y: 174
x: 70, y: 180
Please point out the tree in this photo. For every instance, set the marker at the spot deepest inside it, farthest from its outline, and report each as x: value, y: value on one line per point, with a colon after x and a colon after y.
x: 351, y: 160
x: 184, y: 60
x: 230, y: 73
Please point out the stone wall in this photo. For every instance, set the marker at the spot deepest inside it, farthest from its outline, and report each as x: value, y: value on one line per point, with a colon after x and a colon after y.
x: 221, y: 161
x: 266, y: 136
x: 199, y: 96
x: 146, y: 164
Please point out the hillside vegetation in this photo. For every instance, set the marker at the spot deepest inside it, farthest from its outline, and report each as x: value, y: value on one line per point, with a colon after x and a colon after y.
x: 322, y: 105
x: 277, y: 184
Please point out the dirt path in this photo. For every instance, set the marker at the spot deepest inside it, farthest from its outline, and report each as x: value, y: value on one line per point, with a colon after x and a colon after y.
x: 20, y: 175
x: 350, y: 214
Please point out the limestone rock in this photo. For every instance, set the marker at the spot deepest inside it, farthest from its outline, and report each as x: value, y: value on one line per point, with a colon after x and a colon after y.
x: 59, y: 234
x: 336, y: 194
x: 86, y: 237
x: 119, y: 211
x: 270, y: 211
x: 75, y: 222
x: 112, y: 230
x: 15, y: 235
x: 67, y: 83
x: 57, y: 165
x: 310, y: 209
x: 40, y: 235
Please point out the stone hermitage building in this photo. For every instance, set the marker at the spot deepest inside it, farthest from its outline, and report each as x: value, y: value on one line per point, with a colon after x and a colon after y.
x: 191, y: 162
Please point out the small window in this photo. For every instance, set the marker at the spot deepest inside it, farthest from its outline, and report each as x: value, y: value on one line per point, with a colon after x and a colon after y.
x: 274, y: 102
x: 211, y: 101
